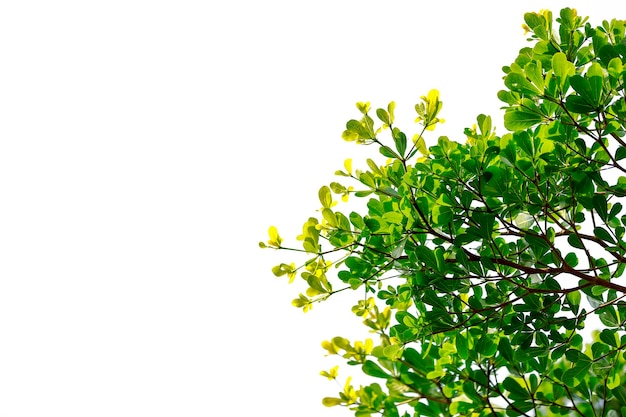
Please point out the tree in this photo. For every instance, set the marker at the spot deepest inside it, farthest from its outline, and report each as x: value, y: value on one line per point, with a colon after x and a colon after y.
x: 480, y: 261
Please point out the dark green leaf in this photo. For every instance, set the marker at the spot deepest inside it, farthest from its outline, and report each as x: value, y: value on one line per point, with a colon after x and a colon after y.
x: 574, y: 376
x: 603, y: 234
x: 571, y: 259
x: 575, y: 241
x: 620, y: 153
x: 600, y: 205
x: 504, y: 347
x: 581, y: 85
x: 577, y: 104
x: 608, y: 337
x: 461, y: 346
x: 516, y: 390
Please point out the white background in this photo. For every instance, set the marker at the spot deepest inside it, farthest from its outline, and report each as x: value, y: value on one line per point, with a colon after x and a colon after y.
x: 146, y: 147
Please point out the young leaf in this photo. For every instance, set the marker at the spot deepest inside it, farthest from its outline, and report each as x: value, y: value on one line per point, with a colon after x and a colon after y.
x: 275, y: 239
x: 325, y: 197
x: 331, y: 401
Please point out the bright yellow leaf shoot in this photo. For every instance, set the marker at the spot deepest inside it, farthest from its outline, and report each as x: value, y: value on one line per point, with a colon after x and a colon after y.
x: 390, y: 109
x: 349, y: 392
x: 348, y: 165
x: 332, y: 373
x: 331, y: 401
x: 428, y: 110
x: 275, y: 239
x: 363, y: 107
x: 364, y: 347
x: 330, y: 347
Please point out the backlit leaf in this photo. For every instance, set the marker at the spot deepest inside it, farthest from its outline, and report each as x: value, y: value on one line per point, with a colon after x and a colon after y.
x: 515, y: 120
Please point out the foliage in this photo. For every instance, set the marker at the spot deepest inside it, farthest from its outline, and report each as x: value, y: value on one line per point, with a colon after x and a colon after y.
x: 481, y: 261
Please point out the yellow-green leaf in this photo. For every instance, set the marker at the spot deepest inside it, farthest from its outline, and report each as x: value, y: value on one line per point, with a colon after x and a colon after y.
x: 275, y: 239
x: 331, y: 401
x: 348, y: 165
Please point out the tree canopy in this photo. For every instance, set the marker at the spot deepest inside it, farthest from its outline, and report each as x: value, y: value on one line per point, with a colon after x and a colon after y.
x: 478, y: 262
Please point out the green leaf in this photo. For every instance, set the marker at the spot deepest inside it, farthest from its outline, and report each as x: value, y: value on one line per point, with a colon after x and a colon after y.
x: 609, y: 337
x: 581, y: 85
x: 393, y: 352
x: 575, y: 241
x: 509, y: 97
x: 461, y: 346
x: 504, y: 347
x: 603, y: 234
x: 600, y: 205
x: 372, y: 369
x: 400, y: 140
x: 537, y: 23
x: 337, y: 188
x: 523, y: 355
x: 517, y: 392
x: 357, y: 220
x: 574, y: 376
x: 563, y: 69
x: 388, y: 152
x: 383, y: 116
x: 534, y: 73
x: 486, y: 346
x: 515, y: 120
x: 517, y: 408
x: 578, y: 105
x: 358, y: 129
x: 620, y: 394
x: 484, y: 124
x: 573, y: 298
x: 571, y: 259
x: 609, y: 317
x: 615, y: 67
x: 517, y: 82
x: 595, y: 75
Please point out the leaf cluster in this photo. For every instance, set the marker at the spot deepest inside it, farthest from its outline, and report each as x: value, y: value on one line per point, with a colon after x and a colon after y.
x: 479, y: 262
